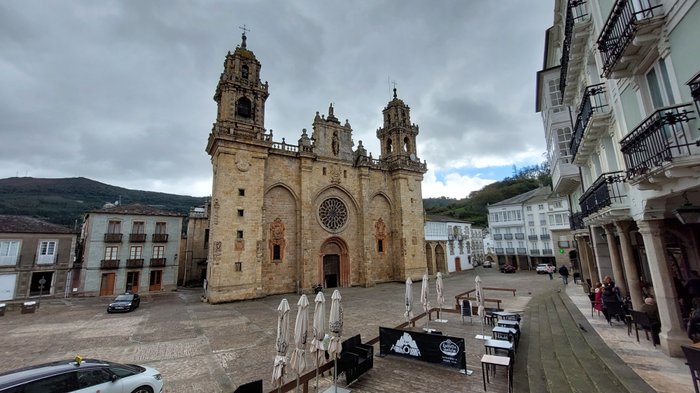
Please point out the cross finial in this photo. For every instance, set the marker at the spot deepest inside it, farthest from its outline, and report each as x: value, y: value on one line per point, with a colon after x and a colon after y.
x: 394, y: 83
x: 243, y: 37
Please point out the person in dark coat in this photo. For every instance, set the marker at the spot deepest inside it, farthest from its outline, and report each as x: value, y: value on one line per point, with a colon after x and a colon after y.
x: 652, y: 311
x: 564, y: 272
x: 612, y: 302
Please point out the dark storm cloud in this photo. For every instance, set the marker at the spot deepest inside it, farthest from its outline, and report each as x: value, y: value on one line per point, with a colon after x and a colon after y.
x: 121, y: 92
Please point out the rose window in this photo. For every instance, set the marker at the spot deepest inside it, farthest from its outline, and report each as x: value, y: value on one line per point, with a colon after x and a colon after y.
x: 333, y: 214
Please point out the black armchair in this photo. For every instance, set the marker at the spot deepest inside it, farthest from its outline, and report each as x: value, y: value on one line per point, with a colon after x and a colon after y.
x: 356, y: 358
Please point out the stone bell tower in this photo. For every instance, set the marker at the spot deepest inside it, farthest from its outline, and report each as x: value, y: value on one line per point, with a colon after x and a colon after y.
x: 240, y: 95
x: 238, y: 145
x: 398, y: 136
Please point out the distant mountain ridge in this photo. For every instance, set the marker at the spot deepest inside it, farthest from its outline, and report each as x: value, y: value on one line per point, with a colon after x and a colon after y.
x: 64, y: 201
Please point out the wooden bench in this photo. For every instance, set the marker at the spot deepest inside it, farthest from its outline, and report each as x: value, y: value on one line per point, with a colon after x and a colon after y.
x: 356, y: 358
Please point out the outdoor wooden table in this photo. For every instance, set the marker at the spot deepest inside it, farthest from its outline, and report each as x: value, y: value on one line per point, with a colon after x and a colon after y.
x: 491, y: 361
x: 509, y: 324
x: 495, y: 345
x: 504, y: 333
x: 506, y: 315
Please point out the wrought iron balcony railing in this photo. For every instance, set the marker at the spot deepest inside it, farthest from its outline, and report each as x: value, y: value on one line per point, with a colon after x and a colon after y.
x: 576, y: 220
x: 547, y: 251
x: 545, y: 237
x: 134, y: 263
x: 113, y: 237
x: 508, y: 236
x: 157, y: 262
x: 510, y: 250
x: 519, y: 236
x: 159, y: 237
x: 534, y: 252
x: 531, y: 237
x: 575, y: 11
x: 137, y: 237
x: 608, y: 188
x: 522, y: 251
x: 499, y: 250
x: 594, y: 100
x: 620, y: 29
x: 660, y: 138
x: 109, y: 264
x: 497, y: 236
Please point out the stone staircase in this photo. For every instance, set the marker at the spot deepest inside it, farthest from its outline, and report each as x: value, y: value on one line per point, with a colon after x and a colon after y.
x: 560, y: 352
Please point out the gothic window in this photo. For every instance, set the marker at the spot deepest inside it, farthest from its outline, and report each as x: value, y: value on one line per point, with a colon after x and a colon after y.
x: 333, y: 214
x: 244, y: 72
x: 244, y: 108
x: 389, y: 147
x: 277, y: 241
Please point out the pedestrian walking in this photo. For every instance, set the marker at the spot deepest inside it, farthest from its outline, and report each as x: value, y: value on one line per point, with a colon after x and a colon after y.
x: 550, y: 270
x: 564, y: 272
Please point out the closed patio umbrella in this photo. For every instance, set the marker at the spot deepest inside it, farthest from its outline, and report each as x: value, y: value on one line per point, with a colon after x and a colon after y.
x: 479, y: 293
x: 335, y: 325
x: 424, y: 292
x: 409, y: 300
x: 319, y: 331
x: 281, y: 344
x: 440, y: 288
x: 301, y: 326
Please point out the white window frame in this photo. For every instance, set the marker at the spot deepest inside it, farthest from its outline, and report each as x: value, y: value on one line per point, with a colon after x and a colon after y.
x: 46, y: 252
x: 111, y: 253
x: 9, y: 252
x: 136, y: 252
x: 158, y: 251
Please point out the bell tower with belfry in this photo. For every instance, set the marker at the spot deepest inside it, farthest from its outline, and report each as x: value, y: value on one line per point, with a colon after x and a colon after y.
x: 398, y: 136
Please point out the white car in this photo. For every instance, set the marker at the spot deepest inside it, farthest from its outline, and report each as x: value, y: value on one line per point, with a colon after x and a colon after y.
x: 542, y: 268
x: 83, y: 376
x: 487, y: 263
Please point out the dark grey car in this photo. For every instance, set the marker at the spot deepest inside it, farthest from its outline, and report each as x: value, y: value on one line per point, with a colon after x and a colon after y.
x: 124, y: 303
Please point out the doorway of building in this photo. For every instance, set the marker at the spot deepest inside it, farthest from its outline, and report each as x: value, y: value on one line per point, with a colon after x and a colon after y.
x: 40, y: 284
x: 107, y: 284
x: 331, y: 270
x: 154, y: 283
x: 458, y: 264
x: 132, y: 282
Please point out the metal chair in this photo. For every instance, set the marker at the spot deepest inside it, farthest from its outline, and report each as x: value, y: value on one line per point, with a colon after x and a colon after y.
x: 641, y: 320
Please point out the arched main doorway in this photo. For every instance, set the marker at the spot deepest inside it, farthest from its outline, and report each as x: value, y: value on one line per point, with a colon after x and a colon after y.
x: 334, y: 264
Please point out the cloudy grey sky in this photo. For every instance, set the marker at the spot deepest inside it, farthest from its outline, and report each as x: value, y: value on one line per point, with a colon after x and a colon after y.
x: 121, y: 91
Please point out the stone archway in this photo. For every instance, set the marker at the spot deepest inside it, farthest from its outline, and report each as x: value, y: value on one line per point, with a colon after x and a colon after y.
x: 440, y: 259
x: 334, y: 263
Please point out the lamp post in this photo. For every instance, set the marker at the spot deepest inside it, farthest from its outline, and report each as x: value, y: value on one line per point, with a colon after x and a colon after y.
x: 42, y: 281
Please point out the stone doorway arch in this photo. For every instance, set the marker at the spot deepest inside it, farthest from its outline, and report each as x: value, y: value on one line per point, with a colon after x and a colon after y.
x: 334, y: 263
x: 440, y: 259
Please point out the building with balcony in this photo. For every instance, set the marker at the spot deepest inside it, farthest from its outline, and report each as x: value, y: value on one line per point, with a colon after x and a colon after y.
x: 129, y: 248
x: 448, y: 246
x: 628, y: 73
x: 36, y: 259
x: 477, y: 246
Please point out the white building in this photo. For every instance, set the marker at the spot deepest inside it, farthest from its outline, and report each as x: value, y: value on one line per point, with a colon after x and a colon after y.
x: 629, y: 75
x: 447, y: 244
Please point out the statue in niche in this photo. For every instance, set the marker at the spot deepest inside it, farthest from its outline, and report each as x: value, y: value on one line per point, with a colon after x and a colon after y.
x: 335, y: 143
x: 380, y: 229
x: 277, y: 241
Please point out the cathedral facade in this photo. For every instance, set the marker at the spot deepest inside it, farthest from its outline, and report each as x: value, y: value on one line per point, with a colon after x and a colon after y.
x: 287, y: 217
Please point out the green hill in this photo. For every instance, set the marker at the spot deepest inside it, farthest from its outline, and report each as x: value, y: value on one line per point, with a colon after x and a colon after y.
x: 474, y: 207
x: 64, y: 201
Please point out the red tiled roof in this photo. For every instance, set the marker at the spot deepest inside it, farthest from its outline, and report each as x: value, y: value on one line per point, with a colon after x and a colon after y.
x: 137, y: 210
x: 26, y: 224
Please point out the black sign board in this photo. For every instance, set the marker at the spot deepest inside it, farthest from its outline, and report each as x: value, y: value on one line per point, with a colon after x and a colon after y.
x: 432, y: 348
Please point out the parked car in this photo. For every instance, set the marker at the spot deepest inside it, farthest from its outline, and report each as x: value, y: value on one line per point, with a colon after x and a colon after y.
x: 487, y: 263
x: 124, y: 303
x: 542, y: 268
x: 83, y: 375
x: 507, y: 269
